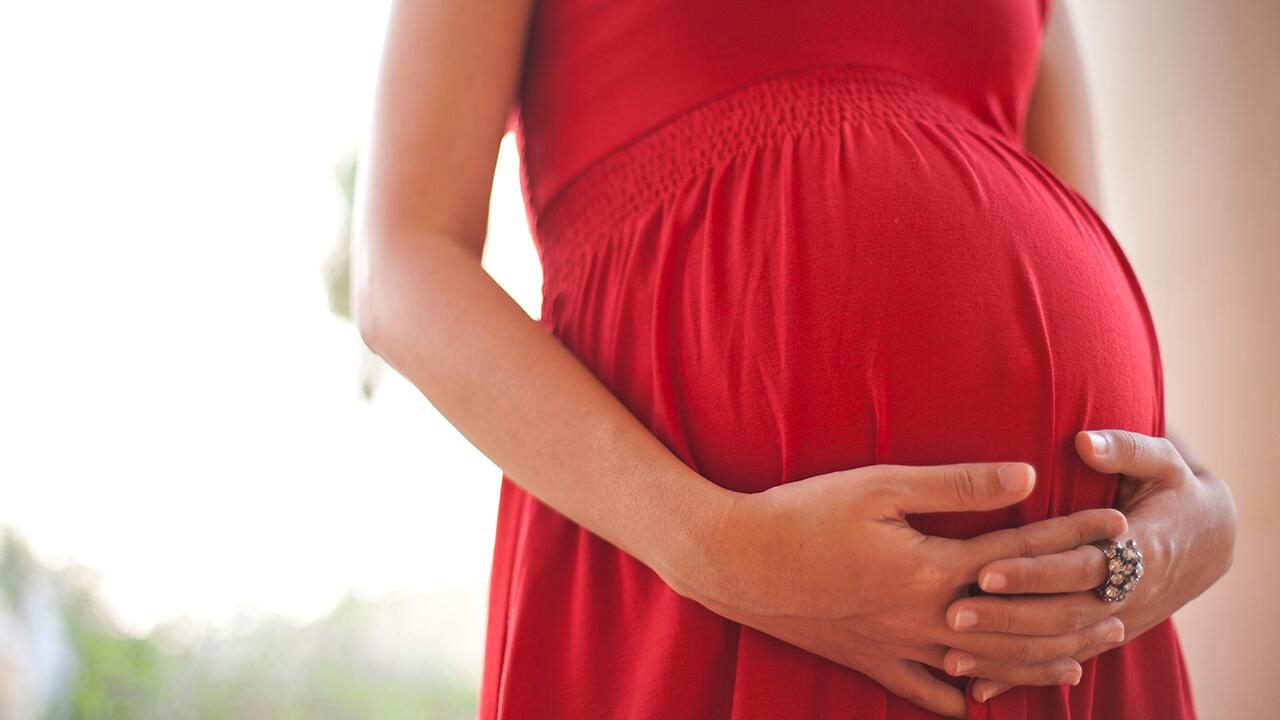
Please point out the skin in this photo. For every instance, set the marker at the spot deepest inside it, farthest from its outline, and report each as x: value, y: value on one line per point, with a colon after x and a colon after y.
x: 792, y: 561
x: 1169, y: 497
x: 1059, y: 127
x: 1171, y: 500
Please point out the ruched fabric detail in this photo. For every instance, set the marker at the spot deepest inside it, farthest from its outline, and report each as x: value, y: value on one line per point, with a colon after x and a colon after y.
x: 600, y: 201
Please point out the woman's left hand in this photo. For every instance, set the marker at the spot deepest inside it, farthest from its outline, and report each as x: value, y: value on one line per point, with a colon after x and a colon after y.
x: 1180, y: 513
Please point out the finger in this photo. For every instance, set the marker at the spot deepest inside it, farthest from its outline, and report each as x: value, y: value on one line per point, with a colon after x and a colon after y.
x: 913, y: 683
x: 1063, y: 671
x: 1044, y: 537
x: 1135, y: 455
x: 1096, y: 651
x: 1046, y: 615
x: 959, y: 487
x: 1022, y: 649
x: 929, y: 655
x: 1081, y: 568
x: 984, y: 690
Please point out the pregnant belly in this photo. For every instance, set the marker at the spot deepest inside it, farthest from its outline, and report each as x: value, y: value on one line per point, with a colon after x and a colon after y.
x: 860, y: 277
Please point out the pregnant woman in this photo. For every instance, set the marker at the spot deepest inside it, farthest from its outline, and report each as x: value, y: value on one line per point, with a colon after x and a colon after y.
x: 800, y: 431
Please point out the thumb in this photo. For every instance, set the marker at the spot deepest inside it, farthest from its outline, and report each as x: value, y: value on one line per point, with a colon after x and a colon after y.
x: 960, y: 487
x: 1134, y: 455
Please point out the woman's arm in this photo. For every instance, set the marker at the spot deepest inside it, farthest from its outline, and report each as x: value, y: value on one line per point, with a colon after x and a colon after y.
x: 828, y: 563
x: 1059, y: 124
x: 424, y: 303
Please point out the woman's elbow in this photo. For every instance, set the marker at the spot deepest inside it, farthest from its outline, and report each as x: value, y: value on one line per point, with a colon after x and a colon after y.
x: 366, y: 325
x: 367, y: 288
x: 398, y: 272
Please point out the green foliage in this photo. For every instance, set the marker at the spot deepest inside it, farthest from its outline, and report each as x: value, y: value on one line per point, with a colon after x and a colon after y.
x: 337, y: 268
x: 357, y: 662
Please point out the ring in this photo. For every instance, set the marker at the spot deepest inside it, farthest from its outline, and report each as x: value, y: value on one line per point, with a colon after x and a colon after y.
x: 1124, y: 569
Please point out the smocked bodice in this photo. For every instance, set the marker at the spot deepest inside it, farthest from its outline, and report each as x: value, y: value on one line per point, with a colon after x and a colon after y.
x: 600, y: 73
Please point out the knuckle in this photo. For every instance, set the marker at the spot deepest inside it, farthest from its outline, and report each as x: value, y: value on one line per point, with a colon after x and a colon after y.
x: 1071, y: 620
x: 1052, y: 650
x: 1086, y: 528
x: 910, y: 692
x: 1023, y: 653
x: 916, y: 698
x: 1003, y: 620
x: 880, y: 492
x: 1027, y: 545
x: 1020, y: 543
x: 1041, y: 675
x: 1108, y: 520
x: 1027, y: 579
x: 874, y: 472
x: 1176, y: 467
x: 1132, y: 448
x: 914, y: 627
x: 1091, y: 639
x: 926, y: 576
x: 961, y: 480
x: 1049, y: 674
x: 1089, y: 567
x: 854, y: 662
x: 996, y: 689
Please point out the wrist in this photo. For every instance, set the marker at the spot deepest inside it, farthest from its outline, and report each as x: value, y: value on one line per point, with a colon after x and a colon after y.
x: 1187, y: 539
x: 689, y: 559
x: 1224, y: 527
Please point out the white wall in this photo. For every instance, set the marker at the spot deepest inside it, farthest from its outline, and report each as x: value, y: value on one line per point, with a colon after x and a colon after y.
x: 1186, y: 98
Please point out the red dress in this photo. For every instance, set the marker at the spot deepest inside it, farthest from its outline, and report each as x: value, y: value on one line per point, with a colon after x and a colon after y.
x: 793, y: 238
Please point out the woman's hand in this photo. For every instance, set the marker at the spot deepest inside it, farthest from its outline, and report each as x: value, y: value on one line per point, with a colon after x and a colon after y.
x: 1184, y: 520
x: 830, y: 564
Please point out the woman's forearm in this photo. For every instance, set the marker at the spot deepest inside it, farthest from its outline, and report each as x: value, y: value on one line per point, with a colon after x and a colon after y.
x: 426, y: 306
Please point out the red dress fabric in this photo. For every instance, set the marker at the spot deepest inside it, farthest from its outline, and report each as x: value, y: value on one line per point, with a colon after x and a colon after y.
x: 795, y: 238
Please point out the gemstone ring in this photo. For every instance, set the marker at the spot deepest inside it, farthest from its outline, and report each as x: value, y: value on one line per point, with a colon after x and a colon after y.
x: 1124, y: 569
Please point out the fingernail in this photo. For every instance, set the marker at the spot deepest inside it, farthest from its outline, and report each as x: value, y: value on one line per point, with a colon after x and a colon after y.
x: 1070, y: 677
x: 1100, y: 443
x: 1117, y: 634
x: 965, y: 619
x: 964, y: 663
x: 994, y: 581
x: 985, y: 693
x: 1016, y: 478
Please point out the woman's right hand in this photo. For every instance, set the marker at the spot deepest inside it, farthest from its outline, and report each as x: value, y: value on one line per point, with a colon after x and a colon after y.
x: 830, y: 564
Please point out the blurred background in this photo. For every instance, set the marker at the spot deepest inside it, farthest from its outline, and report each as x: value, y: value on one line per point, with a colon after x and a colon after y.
x: 216, y: 503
